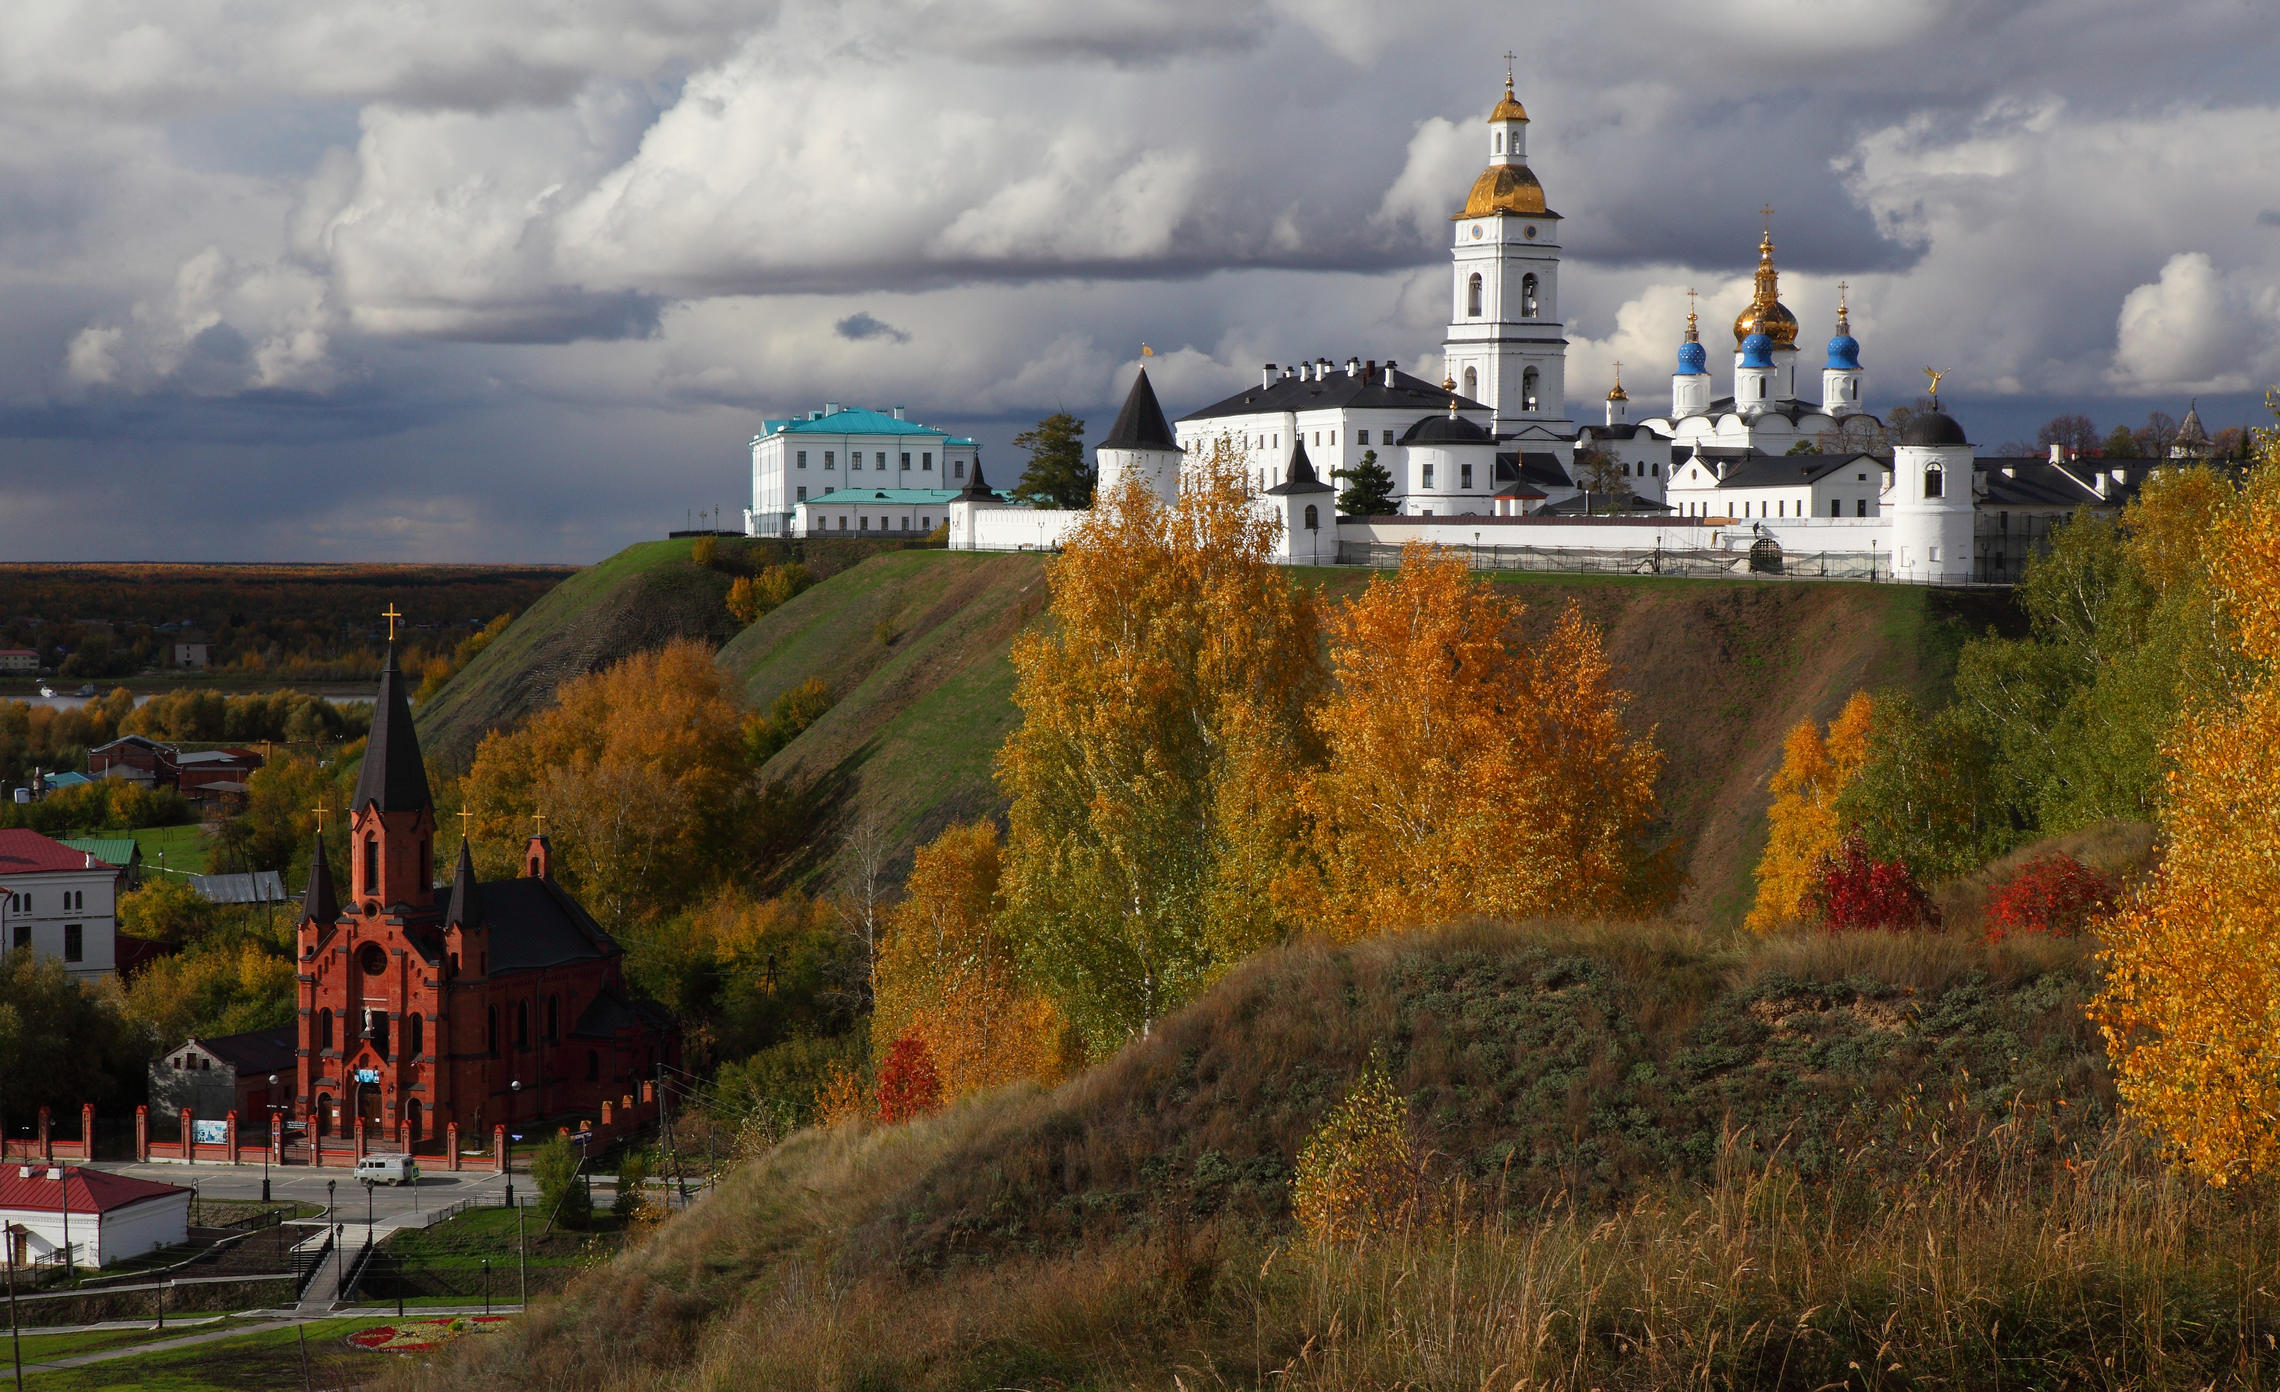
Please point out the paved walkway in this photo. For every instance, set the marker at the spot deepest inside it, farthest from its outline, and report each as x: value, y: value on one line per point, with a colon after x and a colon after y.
x: 260, y: 1322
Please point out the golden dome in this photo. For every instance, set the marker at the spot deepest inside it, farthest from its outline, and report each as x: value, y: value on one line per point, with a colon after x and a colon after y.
x: 1765, y: 313
x: 1510, y: 108
x: 1505, y: 188
x: 1616, y: 393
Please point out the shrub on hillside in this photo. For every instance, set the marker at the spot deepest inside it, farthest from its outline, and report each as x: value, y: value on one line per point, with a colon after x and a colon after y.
x: 562, y: 1196
x: 705, y: 552
x: 1853, y: 892
x: 632, y: 1176
x: 908, y: 1084
x: 1358, y: 1173
x: 2054, y: 894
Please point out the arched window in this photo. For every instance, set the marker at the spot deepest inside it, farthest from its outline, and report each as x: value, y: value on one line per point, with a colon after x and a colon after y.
x: 324, y: 1028
x: 371, y: 865
x: 1313, y: 519
x: 1472, y: 383
x: 1528, y: 390
x: 324, y: 1114
x: 415, y: 1036
x: 1472, y: 296
x: 1528, y: 296
x: 1935, y: 482
x: 553, y: 1018
x: 491, y: 1030
x: 412, y: 1117
x: 1500, y: 142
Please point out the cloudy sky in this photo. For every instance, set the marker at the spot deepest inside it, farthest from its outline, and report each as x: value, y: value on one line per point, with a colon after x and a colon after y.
x: 515, y: 279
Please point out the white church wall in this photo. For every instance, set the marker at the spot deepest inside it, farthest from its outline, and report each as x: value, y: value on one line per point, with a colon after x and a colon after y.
x: 999, y: 527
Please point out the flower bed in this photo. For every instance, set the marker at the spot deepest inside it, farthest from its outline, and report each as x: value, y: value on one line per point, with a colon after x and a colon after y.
x: 419, y: 1336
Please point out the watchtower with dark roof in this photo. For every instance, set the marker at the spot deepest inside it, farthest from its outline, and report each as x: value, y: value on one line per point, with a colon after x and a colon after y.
x: 1140, y: 446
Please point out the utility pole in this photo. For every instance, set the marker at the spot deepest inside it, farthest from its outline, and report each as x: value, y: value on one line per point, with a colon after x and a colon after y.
x: 15, y: 1338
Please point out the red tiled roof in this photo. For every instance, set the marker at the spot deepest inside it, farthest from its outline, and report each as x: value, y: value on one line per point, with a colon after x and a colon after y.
x: 26, y: 852
x: 92, y: 1191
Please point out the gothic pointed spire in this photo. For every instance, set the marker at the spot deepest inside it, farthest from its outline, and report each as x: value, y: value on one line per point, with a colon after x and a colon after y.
x: 394, y: 776
x: 319, y: 904
x: 1299, y: 476
x: 465, y: 909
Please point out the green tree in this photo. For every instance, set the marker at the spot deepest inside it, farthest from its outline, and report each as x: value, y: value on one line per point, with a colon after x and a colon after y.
x: 2121, y: 444
x: 562, y: 1195
x: 216, y: 986
x: 1603, y: 478
x: 1369, y: 488
x: 632, y: 1176
x: 62, y: 1043
x: 165, y: 910
x: 1057, y: 474
x: 1923, y: 797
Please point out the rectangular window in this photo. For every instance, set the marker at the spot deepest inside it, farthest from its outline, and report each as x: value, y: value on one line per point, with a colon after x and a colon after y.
x: 843, y: 524
x: 827, y: 459
x: 906, y: 524
x: 803, y: 493
x: 906, y: 461
x: 73, y: 934
x: 863, y: 524
x: 1836, y: 507
x: 1363, y: 438
x: 1934, y: 559
x: 957, y: 467
x: 23, y: 935
x: 803, y: 459
x: 1428, y: 478
x: 1860, y: 507
x: 880, y: 459
x: 926, y: 463
x: 1464, y: 476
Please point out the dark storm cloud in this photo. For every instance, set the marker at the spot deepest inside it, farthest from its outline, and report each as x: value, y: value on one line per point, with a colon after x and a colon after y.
x: 384, y: 278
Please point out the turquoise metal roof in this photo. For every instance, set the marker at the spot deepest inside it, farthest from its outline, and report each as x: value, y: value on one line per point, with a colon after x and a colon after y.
x: 854, y: 420
x: 931, y: 497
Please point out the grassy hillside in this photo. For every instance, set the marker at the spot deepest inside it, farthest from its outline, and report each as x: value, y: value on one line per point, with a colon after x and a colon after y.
x: 915, y: 646
x: 1651, y: 1159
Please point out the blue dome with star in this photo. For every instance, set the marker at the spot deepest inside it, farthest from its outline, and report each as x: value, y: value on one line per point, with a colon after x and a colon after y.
x: 1844, y: 353
x: 1757, y: 351
x: 1692, y: 360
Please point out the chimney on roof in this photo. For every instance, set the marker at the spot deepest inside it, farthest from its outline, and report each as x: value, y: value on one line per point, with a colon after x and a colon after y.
x: 1353, y: 367
x: 831, y: 408
x: 1290, y: 372
x: 2058, y: 454
x: 1268, y: 378
x: 1369, y: 369
x: 899, y: 413
x: 1390, y: 365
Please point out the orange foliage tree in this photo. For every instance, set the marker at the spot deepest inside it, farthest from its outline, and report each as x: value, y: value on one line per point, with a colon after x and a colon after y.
x: 1468, y: 774
x: 2192, y: 989
x: 1163, y: 722
x: 1803, y: 828
x: 642, y: 773
x: 949, y: 979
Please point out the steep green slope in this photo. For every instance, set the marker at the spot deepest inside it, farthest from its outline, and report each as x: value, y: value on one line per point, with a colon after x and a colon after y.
x: 914, y: 646
x: 643, y: 596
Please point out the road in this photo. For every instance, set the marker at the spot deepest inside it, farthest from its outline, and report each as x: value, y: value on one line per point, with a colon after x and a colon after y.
x: 392, y: 1206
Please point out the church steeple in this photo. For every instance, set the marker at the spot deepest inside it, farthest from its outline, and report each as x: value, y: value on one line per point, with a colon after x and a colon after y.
x: 319, y: 904
x: 392, y: 816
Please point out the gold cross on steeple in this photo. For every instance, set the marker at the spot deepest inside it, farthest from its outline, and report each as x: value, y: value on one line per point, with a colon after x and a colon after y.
x: 1842, y: 287
x: 391, y: 616
x: 540, y: 818
x: 1618, y: 372
x: 464, y: 815
x: 1509, y: 55
x: 1766, y: 212
x: 319, y: 809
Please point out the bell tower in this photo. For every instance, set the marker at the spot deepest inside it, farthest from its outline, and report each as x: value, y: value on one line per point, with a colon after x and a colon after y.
x: 1506, y: 346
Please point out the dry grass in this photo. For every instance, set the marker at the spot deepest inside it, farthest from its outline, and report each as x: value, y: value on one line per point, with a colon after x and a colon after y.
x: 1659, y: 1158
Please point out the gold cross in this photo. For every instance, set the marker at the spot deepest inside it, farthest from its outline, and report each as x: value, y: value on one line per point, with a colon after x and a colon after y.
x: 391, y: 616
x: 1618, y: 372
x: 1842, y: 287
x: 320, y: 811
x: 1767, y: 213
x: 540, y: 818
x: 464, y: 814
x: 1509, y: 55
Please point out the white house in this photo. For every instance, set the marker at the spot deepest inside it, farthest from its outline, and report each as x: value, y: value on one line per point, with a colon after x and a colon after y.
x: 101, y: 1217
x: 849, y: 449
x: 903, y: 512
x: 59, y: 902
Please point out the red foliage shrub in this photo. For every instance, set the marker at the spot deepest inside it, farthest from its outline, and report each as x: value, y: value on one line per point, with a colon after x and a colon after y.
x: 1851, y: 892
x: 2054, y: 894
x: 908, y: 1084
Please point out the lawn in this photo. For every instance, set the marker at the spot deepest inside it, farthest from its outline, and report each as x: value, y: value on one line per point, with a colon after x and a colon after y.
x: 269, y: 1358
x: 39, y: 1348
x: 447, y: 1259
x: 184, y: 846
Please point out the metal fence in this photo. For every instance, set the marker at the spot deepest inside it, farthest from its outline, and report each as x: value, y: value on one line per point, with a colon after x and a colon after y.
x: 1760, y: 562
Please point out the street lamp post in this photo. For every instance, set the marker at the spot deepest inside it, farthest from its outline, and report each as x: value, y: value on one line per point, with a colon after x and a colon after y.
x: 514, y: 1092
x: 340, y: 1263
x: 271, y: 1142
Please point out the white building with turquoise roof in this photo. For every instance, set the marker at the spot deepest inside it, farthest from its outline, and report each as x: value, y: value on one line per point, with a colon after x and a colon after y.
x: 879, y: 468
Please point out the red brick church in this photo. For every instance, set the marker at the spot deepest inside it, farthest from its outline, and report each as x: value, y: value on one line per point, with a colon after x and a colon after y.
x: 422, y: 1007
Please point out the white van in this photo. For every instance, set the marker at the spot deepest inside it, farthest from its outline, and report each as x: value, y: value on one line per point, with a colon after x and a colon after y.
x: 388, y: 1169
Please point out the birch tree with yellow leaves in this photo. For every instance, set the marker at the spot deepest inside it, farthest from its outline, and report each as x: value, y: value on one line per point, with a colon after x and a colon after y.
x: 1803, y: 826
x: 2191, y: 1004
x: 1163, y: 725
x: 1469, y: 774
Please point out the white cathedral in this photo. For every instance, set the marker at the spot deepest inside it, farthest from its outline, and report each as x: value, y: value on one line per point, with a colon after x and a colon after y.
x: 1490, y: 457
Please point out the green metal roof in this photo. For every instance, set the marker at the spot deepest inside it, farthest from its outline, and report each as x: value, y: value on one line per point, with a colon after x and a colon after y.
x: 854, y: 420
x: 120, y: 851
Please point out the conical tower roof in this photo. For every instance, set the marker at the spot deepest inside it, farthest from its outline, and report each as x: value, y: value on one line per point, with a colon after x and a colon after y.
x: 978, y: 489
x: 394, y: 776
x: 1300, y: 476
x: 1141, y: 424
x: 466, y: 907
x: 319, y: 904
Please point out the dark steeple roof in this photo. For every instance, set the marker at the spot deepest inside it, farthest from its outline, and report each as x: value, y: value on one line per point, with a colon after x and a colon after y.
x: 466, y: 907
x: 978, y: 490
x: 1933, y: 427
x: 393, y: 774
x: 1140, y: 425
x: 319, y: 904
x: 1299, y: 478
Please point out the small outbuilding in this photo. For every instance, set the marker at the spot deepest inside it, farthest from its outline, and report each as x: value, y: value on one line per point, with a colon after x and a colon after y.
x: 99, y: 1216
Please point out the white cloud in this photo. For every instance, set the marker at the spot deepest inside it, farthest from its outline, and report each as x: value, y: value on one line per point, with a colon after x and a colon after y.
x: 2186, y: 331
